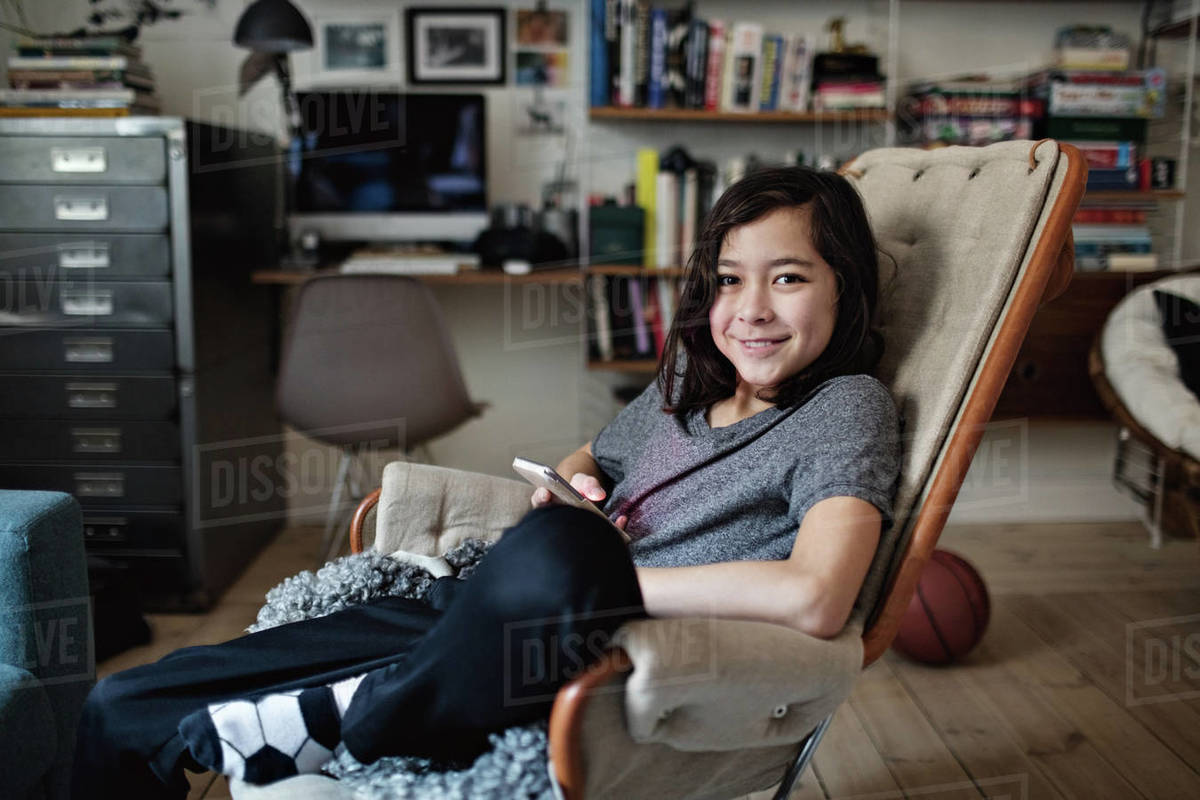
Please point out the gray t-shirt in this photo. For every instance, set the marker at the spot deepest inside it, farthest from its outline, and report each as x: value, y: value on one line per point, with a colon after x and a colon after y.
x: 739, y: 492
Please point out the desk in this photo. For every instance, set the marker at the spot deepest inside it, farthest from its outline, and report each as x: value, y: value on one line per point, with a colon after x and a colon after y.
x: 572, y: 275
x: 565, y: 275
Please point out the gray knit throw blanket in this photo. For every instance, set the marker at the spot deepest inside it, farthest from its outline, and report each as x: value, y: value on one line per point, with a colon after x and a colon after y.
x: 515, y: 767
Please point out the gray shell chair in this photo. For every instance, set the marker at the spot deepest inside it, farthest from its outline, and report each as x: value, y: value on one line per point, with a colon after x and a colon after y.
x: 390, y: 329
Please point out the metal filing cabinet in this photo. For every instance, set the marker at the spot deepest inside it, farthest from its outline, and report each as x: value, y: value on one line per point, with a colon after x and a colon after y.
x: 135, y: 355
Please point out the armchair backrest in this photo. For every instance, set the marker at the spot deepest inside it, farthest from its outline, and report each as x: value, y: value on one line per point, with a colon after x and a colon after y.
x: 979, y: 237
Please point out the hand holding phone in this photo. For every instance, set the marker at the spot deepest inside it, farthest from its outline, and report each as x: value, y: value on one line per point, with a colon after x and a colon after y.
x: 545, y: 477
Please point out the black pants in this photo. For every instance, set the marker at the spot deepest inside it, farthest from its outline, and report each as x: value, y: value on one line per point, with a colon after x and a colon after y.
x: 482, y: 655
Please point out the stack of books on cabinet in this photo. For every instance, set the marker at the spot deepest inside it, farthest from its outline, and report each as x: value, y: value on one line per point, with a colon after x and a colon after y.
x: 645, y: 55
x: 77, y: 76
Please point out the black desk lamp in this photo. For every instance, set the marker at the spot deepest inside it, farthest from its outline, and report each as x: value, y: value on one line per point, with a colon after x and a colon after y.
x: 273, y: 26
x: 272, y: 29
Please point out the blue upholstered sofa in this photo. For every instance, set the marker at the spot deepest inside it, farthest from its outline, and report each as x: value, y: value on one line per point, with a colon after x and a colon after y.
x: 46, y: 663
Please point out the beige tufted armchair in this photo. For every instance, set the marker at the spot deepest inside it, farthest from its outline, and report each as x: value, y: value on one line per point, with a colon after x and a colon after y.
x: 704, y: 708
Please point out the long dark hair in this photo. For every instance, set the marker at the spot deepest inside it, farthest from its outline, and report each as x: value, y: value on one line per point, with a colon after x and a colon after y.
x: 841, y: 234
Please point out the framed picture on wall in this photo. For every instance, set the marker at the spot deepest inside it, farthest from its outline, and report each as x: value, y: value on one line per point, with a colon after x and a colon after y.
x: 455, y: 45
x: 357, y: 46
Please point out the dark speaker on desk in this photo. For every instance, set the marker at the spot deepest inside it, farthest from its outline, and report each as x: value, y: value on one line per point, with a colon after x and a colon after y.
x: 516, y: 235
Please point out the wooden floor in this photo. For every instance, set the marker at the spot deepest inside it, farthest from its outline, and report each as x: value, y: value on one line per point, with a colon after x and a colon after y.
x: 1087, y: 684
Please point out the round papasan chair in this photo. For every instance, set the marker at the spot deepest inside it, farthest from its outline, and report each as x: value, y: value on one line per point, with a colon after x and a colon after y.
x: 1137, y: 374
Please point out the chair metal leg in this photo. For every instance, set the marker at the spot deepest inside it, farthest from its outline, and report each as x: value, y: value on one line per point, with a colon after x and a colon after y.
x: 807, y: 748
x: 1156, y: 533
x: 335, y: 506
x: 1145, y: 482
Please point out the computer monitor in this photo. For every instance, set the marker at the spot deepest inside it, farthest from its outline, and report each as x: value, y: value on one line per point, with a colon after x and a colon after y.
x: 389, y: 167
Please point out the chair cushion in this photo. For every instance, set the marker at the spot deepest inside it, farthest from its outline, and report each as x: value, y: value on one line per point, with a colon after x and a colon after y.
x: 619, y: 767
x: 427, y: 510
x: 957, y: 221
x: 1143, y: 369
x: 1181, y: 326
x: 717, y: 684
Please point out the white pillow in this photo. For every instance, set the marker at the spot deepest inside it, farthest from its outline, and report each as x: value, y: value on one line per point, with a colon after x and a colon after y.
x: 1143, y: 369
x: 437, y: 566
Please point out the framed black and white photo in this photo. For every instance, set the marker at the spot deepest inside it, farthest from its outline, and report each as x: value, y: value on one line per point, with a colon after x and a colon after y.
x: 357, y: 46
x: 455, y: 45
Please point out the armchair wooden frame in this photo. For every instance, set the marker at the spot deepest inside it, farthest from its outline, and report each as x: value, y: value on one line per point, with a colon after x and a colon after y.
x: 1047, y: 276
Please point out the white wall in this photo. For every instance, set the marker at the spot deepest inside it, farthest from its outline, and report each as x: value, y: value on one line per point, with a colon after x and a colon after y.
x: 522, y: 352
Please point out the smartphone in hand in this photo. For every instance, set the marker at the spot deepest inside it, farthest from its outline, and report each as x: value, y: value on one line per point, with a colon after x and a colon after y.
x: 547, y: 478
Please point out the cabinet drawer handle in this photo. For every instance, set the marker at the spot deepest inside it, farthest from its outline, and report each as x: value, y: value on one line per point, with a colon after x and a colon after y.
x: 90, y: 350
x: 95, y: 440
x: 91, y: 395
x: 109, y: 529
x: 100, y: 484
x: 87, y: 302
x: 81, y: 209
x: 78, y: 159
x: 85, y: 255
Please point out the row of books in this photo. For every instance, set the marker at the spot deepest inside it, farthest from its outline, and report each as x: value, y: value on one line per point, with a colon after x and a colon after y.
x: 673, y: 201
x: 77, y: 76
x: 1113, y: 247
x: 629, y: 317
x: 649, y: 56
x: 1103, y: 110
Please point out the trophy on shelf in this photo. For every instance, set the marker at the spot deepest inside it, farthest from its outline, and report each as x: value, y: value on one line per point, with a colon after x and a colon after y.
x: 846, y: 76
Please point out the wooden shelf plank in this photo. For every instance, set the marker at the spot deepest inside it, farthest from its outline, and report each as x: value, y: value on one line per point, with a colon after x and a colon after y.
x: 286, y: 277
x: 1127, y: 276
x: 571, y: 275
x: 700, y: 115
x: 640, y: 365
x: 625, y: 269
x: 1153, y: 194
x: 1175, y: 30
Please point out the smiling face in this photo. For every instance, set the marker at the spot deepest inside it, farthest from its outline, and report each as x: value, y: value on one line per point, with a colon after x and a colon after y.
x: 776, y: 301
